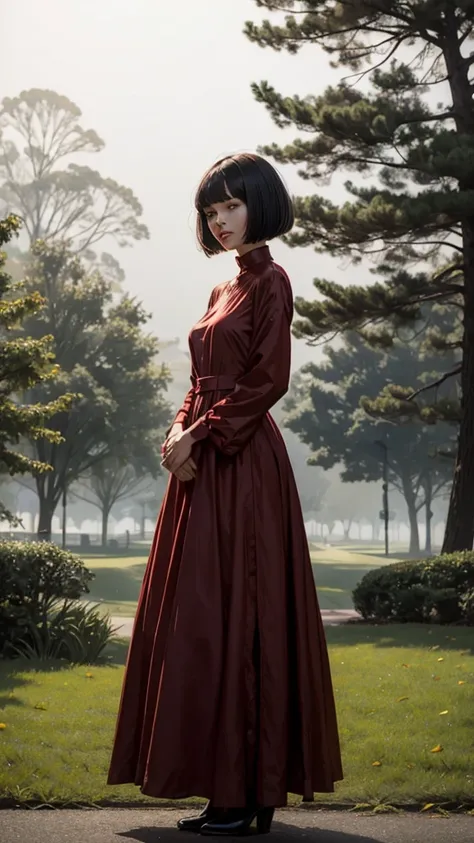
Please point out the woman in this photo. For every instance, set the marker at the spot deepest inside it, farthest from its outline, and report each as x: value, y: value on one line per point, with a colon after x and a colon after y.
x: 227, y: 692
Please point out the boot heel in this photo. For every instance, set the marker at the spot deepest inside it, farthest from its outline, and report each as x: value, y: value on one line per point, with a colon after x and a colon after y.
x: 264, y: 820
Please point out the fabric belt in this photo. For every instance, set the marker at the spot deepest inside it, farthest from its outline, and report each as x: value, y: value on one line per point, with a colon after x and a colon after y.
x: 215, y: 383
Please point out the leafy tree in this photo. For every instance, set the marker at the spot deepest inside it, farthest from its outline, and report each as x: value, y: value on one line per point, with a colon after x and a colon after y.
x: 350, y: 503
x: 25, y: 362
x: 109, y: 362
x: 40, y: 130
x: 110, y: 481
x: 413, y: 131
x: 330, y: 406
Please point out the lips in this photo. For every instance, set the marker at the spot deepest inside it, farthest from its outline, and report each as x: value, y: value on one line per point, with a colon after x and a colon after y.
x: 225, y: 235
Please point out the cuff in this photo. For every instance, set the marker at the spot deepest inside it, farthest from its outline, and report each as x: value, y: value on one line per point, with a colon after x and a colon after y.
x: 199, y: 430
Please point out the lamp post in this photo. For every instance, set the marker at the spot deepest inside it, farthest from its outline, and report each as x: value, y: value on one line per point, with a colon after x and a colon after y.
x: 64, y: 515
x: 384, y: 448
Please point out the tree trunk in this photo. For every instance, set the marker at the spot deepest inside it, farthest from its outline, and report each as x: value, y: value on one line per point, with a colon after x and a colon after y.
x: 459, y: 533
x: 410, y: 499
x: 428, y: 486
x: 46, y: 512
x: 105, y: 524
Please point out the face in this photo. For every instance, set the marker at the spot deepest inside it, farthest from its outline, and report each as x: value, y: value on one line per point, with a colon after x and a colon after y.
x: 227, y: 221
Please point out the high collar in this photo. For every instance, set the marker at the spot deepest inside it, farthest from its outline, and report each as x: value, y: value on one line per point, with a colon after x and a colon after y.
x: 254, y: 260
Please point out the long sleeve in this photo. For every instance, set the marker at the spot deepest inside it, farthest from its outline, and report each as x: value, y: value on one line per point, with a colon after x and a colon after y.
x: 181, y: 416
x: 231, y: 422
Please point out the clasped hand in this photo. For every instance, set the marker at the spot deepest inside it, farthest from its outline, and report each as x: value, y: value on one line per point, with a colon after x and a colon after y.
x: 177, y: 455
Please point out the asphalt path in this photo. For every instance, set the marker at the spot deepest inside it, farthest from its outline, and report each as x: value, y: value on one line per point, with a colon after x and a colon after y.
x: 158, y: 825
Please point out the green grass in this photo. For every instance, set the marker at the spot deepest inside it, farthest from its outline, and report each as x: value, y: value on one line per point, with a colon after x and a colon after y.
x: 336, y: 571
x: 59, y: 723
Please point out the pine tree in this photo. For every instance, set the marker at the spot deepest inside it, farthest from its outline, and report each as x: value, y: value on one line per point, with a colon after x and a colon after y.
x: 413, y: 131
x: 342, y: 409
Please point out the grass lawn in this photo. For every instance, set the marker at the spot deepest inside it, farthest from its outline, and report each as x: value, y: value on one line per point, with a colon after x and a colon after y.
x: 401, y: 692
x: 336, y: 571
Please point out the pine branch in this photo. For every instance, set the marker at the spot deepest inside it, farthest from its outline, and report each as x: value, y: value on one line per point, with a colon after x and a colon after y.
x: 436, y: 383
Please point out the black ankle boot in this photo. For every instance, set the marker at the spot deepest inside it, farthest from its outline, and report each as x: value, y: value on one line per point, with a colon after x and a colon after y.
x: 229, y: 826
x: 195, y: 823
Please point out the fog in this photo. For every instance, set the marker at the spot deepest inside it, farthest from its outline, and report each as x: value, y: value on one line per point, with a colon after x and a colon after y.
x: 167, y: 86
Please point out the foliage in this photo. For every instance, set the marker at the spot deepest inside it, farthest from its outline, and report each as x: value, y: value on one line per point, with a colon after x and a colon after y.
x: 110, y: 481
x: 328, y: 407
x: 39, y: 131
x: 411, y: 129
x: 435, y: 590
x: 33, y: 577
x: 72, y: 631
x: 25, y: 362
x: 108, y: 361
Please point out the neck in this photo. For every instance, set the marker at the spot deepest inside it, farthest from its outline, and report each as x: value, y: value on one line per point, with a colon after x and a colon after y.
x: 245, y: 248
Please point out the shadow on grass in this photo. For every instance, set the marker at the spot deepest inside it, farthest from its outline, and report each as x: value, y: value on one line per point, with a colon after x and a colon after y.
x: 336, y: 582
x: 14, y: 672
x: 402, y: 635
x: 12, y: 676
x: 113, y: 553
x: 115, y: 654
x: 148, y: 834
x: 117, y: 585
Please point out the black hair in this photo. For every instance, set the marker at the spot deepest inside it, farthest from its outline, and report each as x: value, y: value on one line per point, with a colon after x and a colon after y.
x: 255, y: 182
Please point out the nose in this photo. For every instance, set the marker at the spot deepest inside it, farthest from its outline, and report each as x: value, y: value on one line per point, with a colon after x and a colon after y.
x: 220, y: 220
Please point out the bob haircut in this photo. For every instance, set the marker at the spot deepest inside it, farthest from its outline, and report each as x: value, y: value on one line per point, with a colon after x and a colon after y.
x: 255, y: 182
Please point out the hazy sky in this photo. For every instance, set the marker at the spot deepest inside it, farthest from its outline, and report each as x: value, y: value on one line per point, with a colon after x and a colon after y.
x: 167, y: 86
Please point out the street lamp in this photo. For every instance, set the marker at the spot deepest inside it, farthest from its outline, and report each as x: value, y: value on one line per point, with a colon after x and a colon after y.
x: 384, y: 448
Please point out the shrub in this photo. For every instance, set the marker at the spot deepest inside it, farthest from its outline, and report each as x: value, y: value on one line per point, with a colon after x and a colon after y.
x: 73, y: 631
x: 33, y: 577
x: 435, y: 590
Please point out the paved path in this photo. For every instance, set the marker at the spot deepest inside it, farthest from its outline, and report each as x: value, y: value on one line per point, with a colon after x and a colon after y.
x: 145, y: 825
x: 331, y: 617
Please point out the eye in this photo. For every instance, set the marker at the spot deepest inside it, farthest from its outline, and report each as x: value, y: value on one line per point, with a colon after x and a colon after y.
x: 209, y: 214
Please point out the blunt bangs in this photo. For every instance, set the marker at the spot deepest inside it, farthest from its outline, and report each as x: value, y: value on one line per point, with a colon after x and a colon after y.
x: 254, y: 181
x: 221, y: 183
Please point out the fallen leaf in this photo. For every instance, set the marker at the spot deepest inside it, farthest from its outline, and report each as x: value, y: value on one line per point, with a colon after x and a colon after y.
x: 441, y: 659
x: 443, y: 712
x: 438, y: 748
x: 89, y: 675
x: 41, y: 706
x: 3, y: 725
x: 400, y: 699
x: 461, y: 682
x: 434, y: 647
x: 405, y: 665
x: 376, y: 763
x: 428, y: 806
x: 410, y: 766
x: 436, y: 678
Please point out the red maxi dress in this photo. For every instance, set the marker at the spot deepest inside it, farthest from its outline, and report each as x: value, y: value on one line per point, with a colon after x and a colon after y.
x: 227, y: 690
